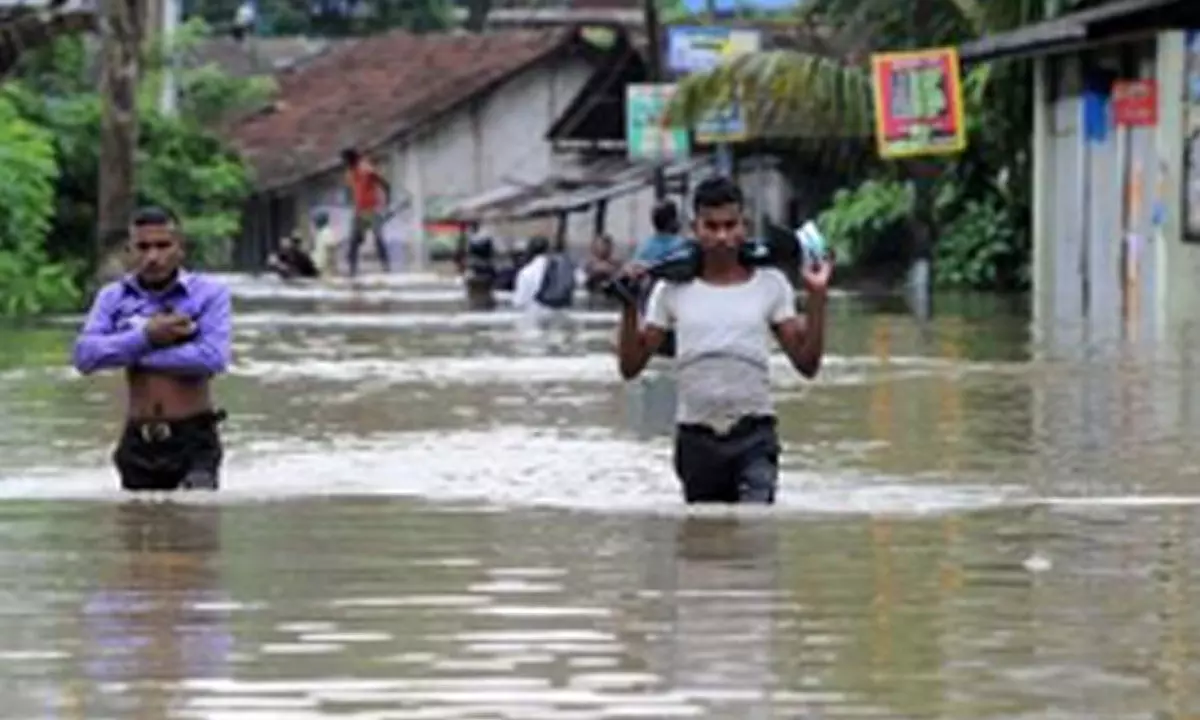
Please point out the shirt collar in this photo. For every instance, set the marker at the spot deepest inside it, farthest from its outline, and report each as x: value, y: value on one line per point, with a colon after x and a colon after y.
x: 183, y: 282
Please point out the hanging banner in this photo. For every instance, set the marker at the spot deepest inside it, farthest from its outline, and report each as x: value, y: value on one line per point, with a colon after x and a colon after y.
x: 918, y: 103
x: 647, y: 136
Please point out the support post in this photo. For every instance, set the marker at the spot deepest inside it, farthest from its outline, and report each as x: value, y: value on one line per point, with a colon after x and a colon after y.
x: 120, y: 38
x: 655, y: 71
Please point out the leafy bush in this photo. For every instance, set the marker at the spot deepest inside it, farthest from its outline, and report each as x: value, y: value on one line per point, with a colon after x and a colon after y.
x: 30, y: 282
x: 860, y: 223
x: 185, y: 168
x: 980, y: 240
x: 982, y: 247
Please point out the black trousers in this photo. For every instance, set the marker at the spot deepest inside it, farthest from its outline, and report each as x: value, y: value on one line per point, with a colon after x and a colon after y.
x: 171, y: 454
x: 741, y: 466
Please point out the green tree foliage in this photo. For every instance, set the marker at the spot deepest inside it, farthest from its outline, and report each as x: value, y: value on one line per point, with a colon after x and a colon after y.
x: 29, y: 281
x: 48, y: 127
x: 332, y: 18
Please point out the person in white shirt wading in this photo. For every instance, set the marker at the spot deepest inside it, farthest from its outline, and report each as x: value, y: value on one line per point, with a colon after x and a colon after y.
x: 545, y: 284
x: 726, y: 444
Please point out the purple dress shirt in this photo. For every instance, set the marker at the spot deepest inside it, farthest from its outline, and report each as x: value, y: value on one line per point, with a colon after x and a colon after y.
x: 114, y: 334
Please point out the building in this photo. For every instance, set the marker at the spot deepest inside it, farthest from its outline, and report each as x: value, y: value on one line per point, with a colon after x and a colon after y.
x: 1116, y: 160
x: 455, y: 122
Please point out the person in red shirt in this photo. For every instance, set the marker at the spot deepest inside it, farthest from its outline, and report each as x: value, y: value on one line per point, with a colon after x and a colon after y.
x: 371, y: 194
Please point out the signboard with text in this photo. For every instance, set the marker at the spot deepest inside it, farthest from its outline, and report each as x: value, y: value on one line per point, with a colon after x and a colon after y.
x: 647, y: 135
x: 918, y: 103
x: 722, y: 125
x: 700, y: 48
x: 1135, y: 103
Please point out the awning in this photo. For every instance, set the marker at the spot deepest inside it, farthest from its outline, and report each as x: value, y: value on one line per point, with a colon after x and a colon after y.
x: 624, y: 183
x: 493, y: 202
x: 1062, y: 33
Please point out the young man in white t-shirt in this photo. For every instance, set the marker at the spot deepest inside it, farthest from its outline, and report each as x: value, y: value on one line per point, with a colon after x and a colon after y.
x: 726, y: 445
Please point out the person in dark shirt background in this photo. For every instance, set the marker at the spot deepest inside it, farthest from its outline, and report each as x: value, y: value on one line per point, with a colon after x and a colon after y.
x: 292, y: 261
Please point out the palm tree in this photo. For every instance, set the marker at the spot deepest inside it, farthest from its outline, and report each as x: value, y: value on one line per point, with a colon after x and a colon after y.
x: 826, y: 87
x: 822, y: 92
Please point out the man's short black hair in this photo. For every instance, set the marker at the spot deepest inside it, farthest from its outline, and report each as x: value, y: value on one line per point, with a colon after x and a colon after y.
x: 154, y: 216
x: 349, y: 156
x: 717, y: 191
x: 665, y: 217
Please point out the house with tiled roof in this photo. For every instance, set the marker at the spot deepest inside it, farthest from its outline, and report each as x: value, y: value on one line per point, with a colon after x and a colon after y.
x: 445, y: 117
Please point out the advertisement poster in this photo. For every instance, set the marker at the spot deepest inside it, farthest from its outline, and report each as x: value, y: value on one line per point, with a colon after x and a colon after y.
x: 700, y: 48
x: 723, y: 125
x: 1135, y: 103
x: 693, y: 49
x: 918, y: 103
x: 648, y: 136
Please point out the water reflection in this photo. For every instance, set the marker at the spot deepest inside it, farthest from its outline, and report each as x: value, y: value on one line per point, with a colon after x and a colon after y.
x: 723, y: 591
x: 369, y: 609
x: 430, y: 515
x: 157, y: 614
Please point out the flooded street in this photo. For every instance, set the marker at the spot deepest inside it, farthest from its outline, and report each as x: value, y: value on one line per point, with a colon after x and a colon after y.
x: 430, y: 514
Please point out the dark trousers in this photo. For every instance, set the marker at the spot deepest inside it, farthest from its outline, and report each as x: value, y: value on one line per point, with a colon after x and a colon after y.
x: 358, y: 235
x: 741, y: 466
x: 171, y: 455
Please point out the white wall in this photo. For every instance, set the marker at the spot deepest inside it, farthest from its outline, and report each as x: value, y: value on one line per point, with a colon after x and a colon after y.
x: 473, y: 149
x: 496, y: 139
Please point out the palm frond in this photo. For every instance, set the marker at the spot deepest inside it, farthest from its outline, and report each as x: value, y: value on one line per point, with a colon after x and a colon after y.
x: 783, y: 93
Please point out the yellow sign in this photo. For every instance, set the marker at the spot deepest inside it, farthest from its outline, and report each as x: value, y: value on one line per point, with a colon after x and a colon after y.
x: 918, y: 103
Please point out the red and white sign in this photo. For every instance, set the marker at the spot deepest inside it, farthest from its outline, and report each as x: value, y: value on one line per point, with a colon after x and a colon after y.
x: 1135, y: 102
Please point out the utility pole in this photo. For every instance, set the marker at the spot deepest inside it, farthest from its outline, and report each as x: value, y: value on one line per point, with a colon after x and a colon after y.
x: 923, y: 174
x: 169, y: 101
x: 655, y: 70
x: 120, y: 24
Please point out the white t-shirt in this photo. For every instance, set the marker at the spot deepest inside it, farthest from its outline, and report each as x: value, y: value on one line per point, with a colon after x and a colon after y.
x: 325, y: 249
x: 723, y: 343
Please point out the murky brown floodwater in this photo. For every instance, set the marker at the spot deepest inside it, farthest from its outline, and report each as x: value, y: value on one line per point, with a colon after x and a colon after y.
x: 429, y: 515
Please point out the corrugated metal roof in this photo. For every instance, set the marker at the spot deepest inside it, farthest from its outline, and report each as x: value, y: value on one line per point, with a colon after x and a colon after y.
x: 1060, y: 33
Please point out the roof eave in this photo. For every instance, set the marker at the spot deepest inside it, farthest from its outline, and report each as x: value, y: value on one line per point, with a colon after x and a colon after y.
x: 1095, y: 25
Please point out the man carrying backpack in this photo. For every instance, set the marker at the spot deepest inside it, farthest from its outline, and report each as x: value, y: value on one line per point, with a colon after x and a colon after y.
x: 547, y: 281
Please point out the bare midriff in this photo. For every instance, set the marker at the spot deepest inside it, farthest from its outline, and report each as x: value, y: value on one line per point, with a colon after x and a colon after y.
x: 163, y: 396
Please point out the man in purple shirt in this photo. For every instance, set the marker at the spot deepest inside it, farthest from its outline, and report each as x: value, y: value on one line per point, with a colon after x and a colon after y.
x: 171, y: 332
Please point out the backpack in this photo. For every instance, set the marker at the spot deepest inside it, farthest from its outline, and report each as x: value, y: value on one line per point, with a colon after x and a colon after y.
x: 558, y: 283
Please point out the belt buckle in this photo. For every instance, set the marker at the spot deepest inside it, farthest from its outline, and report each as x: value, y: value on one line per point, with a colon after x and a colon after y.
x: 155, y: 431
